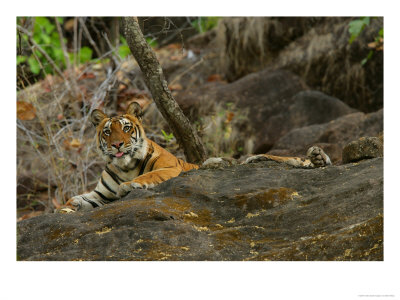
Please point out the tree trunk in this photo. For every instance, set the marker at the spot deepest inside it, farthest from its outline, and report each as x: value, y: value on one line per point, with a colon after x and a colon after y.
x: 185, y: 134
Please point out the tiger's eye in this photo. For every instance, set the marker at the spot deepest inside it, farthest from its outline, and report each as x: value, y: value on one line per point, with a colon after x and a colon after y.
x: 127, y: 128
x: 107, y: 131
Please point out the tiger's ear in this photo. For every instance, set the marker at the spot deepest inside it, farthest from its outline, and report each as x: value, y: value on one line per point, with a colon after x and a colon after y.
x: 97, y: 116
x: 134, y: 109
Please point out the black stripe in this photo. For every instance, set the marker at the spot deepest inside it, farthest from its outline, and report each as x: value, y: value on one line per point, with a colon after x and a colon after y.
x: 114, y: 176
x: 153, y: 162
x: 94, y: 204
x: 138, y: 134
x: 104, y: 197
x: 148, y: 156
x: 106, y: 185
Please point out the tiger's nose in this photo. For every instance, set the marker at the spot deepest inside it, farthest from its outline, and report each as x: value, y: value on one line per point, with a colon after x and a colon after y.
x: 117, y: 144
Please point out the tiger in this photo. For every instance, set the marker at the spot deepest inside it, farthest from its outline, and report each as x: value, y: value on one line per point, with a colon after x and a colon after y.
x: 135, y: 162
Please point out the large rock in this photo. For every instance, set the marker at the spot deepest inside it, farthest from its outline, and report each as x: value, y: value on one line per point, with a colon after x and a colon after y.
x: 263, y: 93
x: 363, y: 148
x: 272, y: 102
x: 308, y: 108
x: 262, y: 211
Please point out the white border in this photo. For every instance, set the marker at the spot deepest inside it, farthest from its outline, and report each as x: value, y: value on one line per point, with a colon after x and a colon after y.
x: 199, y: 280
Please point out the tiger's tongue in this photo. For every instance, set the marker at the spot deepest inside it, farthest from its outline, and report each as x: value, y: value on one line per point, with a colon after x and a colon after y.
x: 119, y: 154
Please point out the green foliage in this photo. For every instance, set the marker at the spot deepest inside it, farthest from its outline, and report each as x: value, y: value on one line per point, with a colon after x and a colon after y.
x: 355, y: 29
x: 203, y: 24
x: 123, y: 49
x: 356, y: 26
x: 46, y: 36
x: 34, y: 65
x: 167, y: 137
x: 152, y: 42
x: 85, y: 54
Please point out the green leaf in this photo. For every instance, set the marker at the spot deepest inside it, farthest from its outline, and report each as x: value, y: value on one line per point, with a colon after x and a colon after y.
x: 364, y: 61
x: 202, y: 24
x: 369, y: 56
x: 41, y: 21
x: 45, y: 38
x: 55, y: 39
x: 45, y: 23
x: 167, y: 137
x: 381, y: 32
x: 58, y: 54
x: 34, y: 65
x: 21, y: 59
x: 152, y: 42
x: 85, y: 54
x: 356, y: 26
x: 124, y: 51
x: 38, y: 54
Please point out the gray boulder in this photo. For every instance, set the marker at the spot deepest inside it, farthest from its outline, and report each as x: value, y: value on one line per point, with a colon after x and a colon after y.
x: 363, y: 148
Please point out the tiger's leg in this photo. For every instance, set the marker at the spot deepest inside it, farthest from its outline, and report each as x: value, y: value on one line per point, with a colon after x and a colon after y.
x: 105, y: 192
x: 316, y: 158
x: 148, y: 180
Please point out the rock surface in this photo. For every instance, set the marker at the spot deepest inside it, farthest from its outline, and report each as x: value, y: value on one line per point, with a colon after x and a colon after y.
x: 261, y: 211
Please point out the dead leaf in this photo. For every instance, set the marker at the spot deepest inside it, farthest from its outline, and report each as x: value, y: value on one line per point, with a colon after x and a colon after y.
x: 86, y: 75
x: 69, y: 25
x: 75, y: 143
x: 30, y: 215
x: 176, y: 57
x: 175, y: 87
x: 25, y: 111
x: 215, y: 78
x: 377, y: 45
x: 174, y: 46
x: 229, y: 116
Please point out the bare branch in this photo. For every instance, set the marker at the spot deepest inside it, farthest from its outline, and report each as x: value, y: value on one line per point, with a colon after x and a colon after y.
x: 89, y: 37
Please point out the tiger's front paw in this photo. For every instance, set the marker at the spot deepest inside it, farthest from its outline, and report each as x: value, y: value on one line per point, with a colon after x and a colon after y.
x: 318, y: 157
x: 126, y: 187
x: 76, y: 203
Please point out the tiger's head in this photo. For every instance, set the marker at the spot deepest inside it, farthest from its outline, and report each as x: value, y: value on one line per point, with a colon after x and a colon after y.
x: 120, y: 139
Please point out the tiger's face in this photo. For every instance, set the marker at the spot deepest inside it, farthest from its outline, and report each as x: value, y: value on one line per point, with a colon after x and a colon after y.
x: 120, y: 139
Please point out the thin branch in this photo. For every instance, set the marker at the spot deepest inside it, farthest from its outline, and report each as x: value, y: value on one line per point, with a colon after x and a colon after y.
x: 89, y: 37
